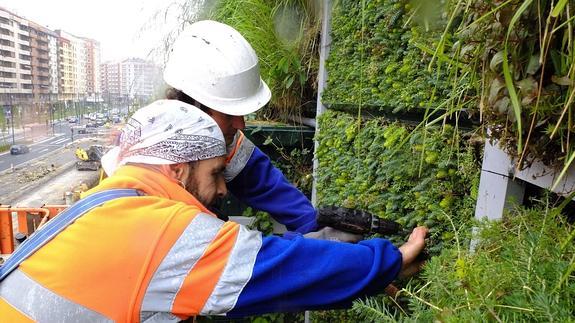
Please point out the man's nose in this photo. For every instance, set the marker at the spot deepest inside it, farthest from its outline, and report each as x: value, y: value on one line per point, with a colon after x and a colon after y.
x: 221, y: 189
x: 238, y: 122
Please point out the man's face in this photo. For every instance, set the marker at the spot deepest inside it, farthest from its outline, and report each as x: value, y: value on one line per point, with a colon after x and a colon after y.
x: 206, y: 180
x: 228, y: 124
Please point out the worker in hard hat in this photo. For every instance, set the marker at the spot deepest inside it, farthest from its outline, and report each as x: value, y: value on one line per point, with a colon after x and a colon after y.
x: 142, y: 246
x: 214, y: 68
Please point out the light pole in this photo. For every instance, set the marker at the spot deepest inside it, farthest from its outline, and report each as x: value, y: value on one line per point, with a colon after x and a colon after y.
x: 11, y: 118
x: 12, y: 122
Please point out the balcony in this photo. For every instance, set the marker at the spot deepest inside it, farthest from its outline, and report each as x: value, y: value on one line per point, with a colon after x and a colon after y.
x: 8, y: 59
x: 7, y: 37
x: 5, y: 23
x: 40, y: 73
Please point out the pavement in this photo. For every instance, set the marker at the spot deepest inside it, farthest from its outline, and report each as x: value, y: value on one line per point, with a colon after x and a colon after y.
x: 45, y: 179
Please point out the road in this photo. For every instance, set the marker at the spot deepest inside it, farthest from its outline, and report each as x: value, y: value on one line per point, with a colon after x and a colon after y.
x: 40, y: 148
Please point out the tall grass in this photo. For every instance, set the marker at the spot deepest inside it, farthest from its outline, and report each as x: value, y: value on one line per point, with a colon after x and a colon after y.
x: 284, y: 34
x: 523, y: 53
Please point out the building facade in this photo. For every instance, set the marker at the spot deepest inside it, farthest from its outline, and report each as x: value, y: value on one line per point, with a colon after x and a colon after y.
x: 130, y: 79
x: 41, y: 67
x: 93, y: 83
x: 15, y: 59
x: 66, y: 68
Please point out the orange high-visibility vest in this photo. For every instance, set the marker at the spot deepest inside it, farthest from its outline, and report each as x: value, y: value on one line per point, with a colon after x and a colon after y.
x: 159, y: 257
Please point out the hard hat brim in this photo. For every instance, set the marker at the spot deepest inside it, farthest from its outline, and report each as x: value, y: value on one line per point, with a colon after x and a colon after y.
x: 242, y: 106
x: 234, y: 107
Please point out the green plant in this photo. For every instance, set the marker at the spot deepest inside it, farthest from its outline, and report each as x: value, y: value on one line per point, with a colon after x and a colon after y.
x: 523, y: 51
x: 376, y: 58
x: 284, y: 34
x: 428, y: 176
x: 4, y: 147
x: 521, y: 270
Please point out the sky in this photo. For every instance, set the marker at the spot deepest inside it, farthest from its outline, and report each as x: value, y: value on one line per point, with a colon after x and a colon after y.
x: 124, y: 28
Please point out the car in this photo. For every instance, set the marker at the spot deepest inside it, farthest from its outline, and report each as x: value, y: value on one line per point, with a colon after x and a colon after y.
x: 19, y: 149
x: 79, y: 130
x: 72, y: 119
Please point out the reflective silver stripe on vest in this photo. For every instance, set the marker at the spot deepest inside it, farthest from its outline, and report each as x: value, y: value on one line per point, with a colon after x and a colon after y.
x: 182, y: 257
x: 237, y: 273
x: 41, y: 304
x: 240, y: 158
x: 152, y: 317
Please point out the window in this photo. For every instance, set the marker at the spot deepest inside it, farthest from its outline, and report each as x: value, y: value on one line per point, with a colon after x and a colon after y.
x: 7, y: 64
x: 5, y: 31
x: 5, y: 21
x: 23, y: 37
x: 25, y: 67
x: 7, y: 85
x: 25, y: 76
x: 8, y: 75
x: 6, y: 53
x: 27, y: 86
x: 24, y: 28
x: 24, y: 47
x: 25, y: 57
x: 6, y: 42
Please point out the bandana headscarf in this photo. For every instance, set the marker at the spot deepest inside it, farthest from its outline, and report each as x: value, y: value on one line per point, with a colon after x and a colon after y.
x: 166, y: 132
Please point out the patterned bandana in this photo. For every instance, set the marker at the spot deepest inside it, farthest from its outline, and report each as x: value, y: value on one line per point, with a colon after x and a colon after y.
x: 166, y: 132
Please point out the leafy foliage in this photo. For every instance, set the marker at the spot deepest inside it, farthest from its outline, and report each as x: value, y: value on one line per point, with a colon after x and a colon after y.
x: 526, y: 56
x: 521, y: 270
x: 376, y: 58
x: 424, y: 177
x: 284, y: 34
x: 511, y: 63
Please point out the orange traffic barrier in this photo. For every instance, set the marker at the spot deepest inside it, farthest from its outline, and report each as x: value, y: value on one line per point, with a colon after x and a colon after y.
x: 28, y: 220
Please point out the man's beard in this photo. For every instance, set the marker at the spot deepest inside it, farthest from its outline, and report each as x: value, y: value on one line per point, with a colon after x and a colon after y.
x: 193, y: 189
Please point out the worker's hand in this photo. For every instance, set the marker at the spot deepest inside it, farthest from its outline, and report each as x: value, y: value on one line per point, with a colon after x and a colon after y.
x: 329, y: 233
x: 410, y: 250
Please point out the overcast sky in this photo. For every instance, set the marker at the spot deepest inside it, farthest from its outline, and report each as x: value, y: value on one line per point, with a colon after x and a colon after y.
x: 116, y: 24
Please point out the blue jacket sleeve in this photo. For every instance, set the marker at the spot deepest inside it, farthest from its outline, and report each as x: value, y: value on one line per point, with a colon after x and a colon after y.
x: 263, y: 187
x: 306, y: 274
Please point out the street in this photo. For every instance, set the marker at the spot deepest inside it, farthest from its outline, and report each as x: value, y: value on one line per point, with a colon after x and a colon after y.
x: 61, y: 137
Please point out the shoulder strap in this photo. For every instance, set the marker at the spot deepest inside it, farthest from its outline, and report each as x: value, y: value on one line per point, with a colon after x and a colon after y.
x: 58, y: 224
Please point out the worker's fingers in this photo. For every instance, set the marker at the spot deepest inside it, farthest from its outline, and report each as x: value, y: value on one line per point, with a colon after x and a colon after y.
x: 414, y: 245
x: 391, y: 290
x: 411, y: 269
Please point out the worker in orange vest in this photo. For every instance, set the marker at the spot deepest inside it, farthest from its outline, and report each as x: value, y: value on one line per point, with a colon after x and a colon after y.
x: 159, y: 255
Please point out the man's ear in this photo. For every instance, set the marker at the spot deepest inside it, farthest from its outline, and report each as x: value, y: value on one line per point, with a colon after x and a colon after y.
x: 179, y: 171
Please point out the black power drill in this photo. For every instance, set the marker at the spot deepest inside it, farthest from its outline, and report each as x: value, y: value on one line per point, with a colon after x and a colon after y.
x: 356, y: 221
x: 361, y: 222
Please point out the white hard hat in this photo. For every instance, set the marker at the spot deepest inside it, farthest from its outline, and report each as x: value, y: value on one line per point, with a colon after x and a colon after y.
x: 216, y: 66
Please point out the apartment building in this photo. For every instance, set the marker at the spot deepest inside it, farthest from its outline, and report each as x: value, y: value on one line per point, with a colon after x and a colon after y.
x: 139, y: 78
x: 40, y: 66
x: 129, y: 79
x: 110, y: 78
x: 15, y: 59
x: 93, y: 83
x: 43, y: 63
x: 66, y: 68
